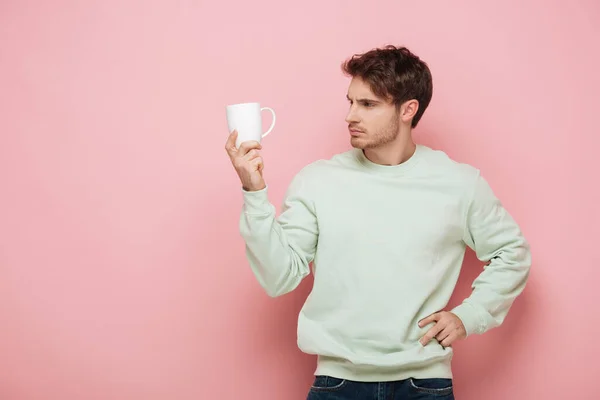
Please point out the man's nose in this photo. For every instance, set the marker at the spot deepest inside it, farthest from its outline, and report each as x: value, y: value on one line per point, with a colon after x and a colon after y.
x: 352, y: 116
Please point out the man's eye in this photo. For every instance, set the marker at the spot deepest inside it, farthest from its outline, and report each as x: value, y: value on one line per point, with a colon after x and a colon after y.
x: 367, y: 104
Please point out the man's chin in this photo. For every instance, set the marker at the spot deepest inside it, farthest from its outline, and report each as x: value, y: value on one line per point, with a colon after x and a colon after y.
x: 358, y: 143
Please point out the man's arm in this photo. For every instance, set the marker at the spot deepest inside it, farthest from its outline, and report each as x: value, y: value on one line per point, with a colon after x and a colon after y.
x: 497, y: 240
x: 280, y: 250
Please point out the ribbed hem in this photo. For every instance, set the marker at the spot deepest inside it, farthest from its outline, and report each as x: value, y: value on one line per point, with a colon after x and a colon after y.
x: 470, y: 317
x: 440, y: 368
x: 257, y: 202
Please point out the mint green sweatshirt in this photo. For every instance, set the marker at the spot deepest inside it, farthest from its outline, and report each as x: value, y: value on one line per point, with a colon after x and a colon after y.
x: 386, y: 245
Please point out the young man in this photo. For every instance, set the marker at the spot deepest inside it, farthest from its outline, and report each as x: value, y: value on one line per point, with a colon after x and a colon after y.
x: 386, y: 225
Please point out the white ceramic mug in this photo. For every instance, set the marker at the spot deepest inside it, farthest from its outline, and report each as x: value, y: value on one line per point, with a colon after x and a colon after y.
x: 246, y: 118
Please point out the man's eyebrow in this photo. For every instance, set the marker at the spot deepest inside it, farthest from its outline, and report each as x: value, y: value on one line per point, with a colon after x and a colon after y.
x: 364, y: 100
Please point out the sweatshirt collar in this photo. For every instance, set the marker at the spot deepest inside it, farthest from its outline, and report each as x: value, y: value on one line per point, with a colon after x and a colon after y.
x: 389, y: 169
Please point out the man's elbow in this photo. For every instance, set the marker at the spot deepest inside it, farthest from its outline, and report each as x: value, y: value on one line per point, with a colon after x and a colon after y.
x: 284, y: 285
x: 277, y: 291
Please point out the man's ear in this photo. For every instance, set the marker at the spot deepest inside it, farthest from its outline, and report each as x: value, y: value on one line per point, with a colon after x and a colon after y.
x: 408, y: 110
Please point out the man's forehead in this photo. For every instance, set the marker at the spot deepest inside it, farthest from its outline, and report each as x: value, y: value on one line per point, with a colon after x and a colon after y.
x: 358, y: 86
x: 364, y: 96
x: 359, y: 89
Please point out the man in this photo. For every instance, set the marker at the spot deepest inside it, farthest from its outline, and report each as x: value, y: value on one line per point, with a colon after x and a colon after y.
x: 386, y: 225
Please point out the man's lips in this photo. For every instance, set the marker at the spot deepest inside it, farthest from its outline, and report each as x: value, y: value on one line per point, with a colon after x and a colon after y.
x: 355, y: 131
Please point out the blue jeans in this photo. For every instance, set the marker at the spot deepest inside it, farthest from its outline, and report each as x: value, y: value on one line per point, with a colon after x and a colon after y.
x: 329, y: 388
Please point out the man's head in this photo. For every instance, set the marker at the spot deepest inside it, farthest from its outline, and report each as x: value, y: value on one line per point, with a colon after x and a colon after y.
x: 390, y: 90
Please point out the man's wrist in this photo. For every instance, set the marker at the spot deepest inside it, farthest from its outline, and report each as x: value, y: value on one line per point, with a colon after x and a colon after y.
x: 252, y: 188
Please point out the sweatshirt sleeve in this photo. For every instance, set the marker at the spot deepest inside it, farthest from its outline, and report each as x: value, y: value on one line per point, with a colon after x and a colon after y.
x: 279, y: 250
x: 497, y: 240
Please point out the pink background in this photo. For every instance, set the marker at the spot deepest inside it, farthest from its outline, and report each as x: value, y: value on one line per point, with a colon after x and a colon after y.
x: 122, y: 273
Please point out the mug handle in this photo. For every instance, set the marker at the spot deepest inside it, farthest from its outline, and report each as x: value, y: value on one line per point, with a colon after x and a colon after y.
x: 272, y: 122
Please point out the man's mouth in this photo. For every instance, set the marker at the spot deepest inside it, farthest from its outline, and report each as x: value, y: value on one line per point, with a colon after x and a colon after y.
x: 355, y: 131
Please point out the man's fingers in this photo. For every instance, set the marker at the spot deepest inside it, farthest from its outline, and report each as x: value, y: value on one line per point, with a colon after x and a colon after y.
x: 444, y: 333
x: 251, y: 155
x: 258, y: 161
x: 431, y: 333
x: 230, y: 145
x: 248, y: 145
x: 447, y: 329
x: 427, y: 320
x: 447, y: 342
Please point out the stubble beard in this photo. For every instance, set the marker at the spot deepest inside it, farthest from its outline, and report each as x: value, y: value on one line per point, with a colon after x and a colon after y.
x: 379, y: 138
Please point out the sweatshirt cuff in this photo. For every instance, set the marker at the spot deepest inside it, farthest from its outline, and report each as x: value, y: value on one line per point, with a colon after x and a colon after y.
x: 256, y: 202
x: 470, y: 317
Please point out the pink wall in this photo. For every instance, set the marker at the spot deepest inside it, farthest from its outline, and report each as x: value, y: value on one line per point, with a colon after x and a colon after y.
x: 122, y: 274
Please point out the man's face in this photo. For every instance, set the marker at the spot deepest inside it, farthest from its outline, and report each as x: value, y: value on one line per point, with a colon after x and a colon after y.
x: 372, y: 121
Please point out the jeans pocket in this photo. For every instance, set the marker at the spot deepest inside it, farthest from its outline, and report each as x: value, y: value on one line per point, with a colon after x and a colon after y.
x: 323, y: 383
x: 435, y: 386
